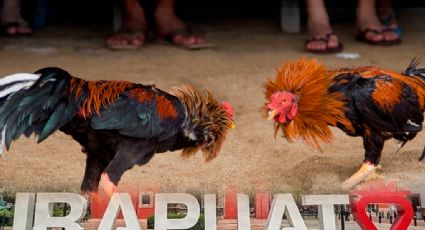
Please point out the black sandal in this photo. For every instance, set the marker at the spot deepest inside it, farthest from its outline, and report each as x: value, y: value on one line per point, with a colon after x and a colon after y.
x: 130, y: 34
x: 361, y: 36
x: 169, y: 37
x: 4, y: 30
x: 325, y: 40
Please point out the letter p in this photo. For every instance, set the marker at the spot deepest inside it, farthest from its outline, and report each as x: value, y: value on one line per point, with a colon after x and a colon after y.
x: 161, y: 207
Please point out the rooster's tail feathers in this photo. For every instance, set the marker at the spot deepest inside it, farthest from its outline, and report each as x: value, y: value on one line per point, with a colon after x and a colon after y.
x: 413, y: 70
x: 34, y: 103
x: 13, y: 83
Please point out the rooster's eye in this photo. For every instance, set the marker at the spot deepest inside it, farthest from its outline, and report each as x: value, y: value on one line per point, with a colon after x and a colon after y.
x: 284, y: 101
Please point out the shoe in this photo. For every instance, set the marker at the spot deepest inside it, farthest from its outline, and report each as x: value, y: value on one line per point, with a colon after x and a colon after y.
x: 325, y: 40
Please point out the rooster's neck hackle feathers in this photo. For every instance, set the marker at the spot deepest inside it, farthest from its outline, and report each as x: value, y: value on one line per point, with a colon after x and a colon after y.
x: 317, y: 107
x: 99, y: 93
x: 206, y: 121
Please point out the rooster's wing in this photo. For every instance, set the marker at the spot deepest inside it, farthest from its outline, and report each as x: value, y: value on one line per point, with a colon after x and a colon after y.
x: 146, y: 118
x: 380, y: 103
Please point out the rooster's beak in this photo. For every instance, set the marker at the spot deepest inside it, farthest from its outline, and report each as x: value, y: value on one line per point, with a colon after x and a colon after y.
x: 232, y: 125
x: 271, y: 114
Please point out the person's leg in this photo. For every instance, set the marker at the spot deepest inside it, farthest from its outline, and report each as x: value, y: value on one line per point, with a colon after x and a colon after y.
x: 11, y: 18
x: 368, y: 22
x: 172, y: 28
x: 10, y: 11
x: 387, y: 16
x: 133, y: 29
x: 384, y: 7
x: 319, y: 27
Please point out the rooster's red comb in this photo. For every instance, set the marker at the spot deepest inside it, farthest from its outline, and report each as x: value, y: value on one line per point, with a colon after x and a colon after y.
x: 228, y: 108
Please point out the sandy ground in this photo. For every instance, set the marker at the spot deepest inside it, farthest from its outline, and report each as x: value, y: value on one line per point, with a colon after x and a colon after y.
x: 247, y: 53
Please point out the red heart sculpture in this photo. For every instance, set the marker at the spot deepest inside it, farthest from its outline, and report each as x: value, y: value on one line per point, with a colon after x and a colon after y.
x: 387, y: 194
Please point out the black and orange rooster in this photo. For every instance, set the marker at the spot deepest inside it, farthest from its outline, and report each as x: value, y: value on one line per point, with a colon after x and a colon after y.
x: 374, y: 103
x: 119, y: 124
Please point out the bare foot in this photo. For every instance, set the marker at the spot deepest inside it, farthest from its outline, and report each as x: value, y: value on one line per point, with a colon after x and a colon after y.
x: 18, y: 28
x: 322, y: 37
x: 175, y: 30
x: 387, y: 16
x: 132, y: 33
x: 365, y: 23
x: 128, y: 37
x: 375, y: 31
x: 388, y: 19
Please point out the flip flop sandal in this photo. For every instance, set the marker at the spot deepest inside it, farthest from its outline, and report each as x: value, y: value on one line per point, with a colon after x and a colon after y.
x: 393, y: 42
x: 130, y: 35
x: 4, y: 30
x: 389, y: 20
x: 325, y: 40
x: 361, y: 37
x: 169, y: 37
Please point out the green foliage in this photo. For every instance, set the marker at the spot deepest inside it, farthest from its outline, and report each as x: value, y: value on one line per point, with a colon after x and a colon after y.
x: 3, y: 204
x: 57, y: 211
x: 199, y: 226
x: 60, y: 210
x: 6, y: 213
x: 151, y: 222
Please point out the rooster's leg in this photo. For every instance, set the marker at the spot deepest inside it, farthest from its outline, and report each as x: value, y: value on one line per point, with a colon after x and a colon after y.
x: 373, y: 147
x: 422, y: 155
x: 374, y: 175
x: 125, y: 158
x: 366, y: 170
x: 107, y: 187
x: 94, y: 168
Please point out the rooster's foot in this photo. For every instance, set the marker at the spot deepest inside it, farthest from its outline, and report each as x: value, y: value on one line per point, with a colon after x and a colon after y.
x: 361, y: 175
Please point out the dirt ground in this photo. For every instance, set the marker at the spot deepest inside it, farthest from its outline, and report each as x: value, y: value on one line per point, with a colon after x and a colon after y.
x: 247, y: 53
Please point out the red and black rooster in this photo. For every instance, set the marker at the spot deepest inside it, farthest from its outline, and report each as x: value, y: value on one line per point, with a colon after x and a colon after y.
x: 119, y: 124
x: 374, y: 103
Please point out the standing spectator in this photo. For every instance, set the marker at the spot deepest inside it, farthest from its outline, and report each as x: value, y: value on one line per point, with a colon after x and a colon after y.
x: 169, y: 27
x: 387, y: 16
x: 370, y: 28
x: 12, y: 24
x: 323, y: 39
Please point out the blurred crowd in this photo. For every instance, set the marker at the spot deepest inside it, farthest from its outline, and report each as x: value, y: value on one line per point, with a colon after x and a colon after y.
x: 376, y: 24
